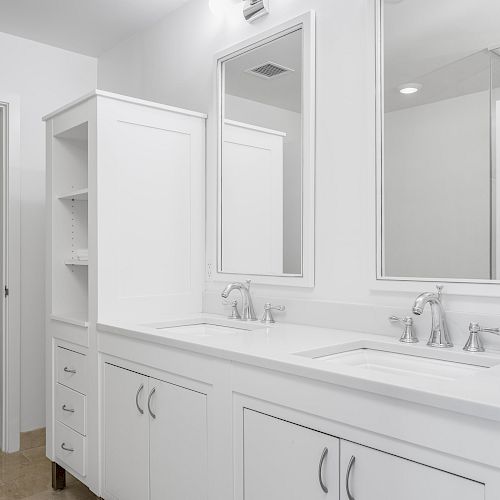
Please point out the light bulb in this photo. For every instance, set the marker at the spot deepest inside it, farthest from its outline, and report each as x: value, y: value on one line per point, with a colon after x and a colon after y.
x: 409, y: 88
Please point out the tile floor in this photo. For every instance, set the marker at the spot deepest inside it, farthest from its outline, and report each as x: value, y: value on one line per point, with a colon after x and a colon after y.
x: 27, y: 475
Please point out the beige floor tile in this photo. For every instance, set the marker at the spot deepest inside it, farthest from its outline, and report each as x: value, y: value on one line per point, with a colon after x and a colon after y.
x: 28, y: 475
x: 32, y: 439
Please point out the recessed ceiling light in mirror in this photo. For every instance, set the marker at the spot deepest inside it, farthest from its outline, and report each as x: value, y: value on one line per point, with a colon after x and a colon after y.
x: 409, y: 88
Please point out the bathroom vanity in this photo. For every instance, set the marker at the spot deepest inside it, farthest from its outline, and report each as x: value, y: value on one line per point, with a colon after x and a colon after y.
x: 212, y: 410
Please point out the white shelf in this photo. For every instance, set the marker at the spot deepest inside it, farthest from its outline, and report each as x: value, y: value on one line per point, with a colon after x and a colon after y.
x: 75, y: 262
x: 77, y: 318
x: 77, y: 195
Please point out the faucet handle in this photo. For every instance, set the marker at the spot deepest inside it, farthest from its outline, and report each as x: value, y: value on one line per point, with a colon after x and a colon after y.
x: 476, y: 328
x: 235, y: 314
x: 439, y: 289
x: 268, y: 315
x: 408, y: 336
x: 474, y: 342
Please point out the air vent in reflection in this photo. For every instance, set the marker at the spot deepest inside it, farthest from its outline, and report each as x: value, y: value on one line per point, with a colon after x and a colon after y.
x: 269, y: 70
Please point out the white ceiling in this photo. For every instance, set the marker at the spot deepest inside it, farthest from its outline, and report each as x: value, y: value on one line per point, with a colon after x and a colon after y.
x: 284, y: 91
x: 86, y: 26
x: 432, y: 42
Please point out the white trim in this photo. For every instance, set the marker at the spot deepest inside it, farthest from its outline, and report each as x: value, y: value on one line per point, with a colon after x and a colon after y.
x: 119, y: 97
x: 248, y: 126
x: 463, y: 287
x: 306, y: 22
x: 11, y: 352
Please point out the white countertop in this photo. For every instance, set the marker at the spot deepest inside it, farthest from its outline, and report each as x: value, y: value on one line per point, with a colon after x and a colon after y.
x: 276, y: 347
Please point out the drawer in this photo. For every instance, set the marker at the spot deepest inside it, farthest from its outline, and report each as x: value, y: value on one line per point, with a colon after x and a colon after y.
x: 70, y: 448
x: 70, y: 408
x: 71, y: 369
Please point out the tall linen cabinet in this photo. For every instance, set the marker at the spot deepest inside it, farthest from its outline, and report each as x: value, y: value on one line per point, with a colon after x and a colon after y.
x: 125, y: 225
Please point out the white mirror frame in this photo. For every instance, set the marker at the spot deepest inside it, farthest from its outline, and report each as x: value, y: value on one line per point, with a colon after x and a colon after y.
x: 214, y: 264
x: 485, y: 288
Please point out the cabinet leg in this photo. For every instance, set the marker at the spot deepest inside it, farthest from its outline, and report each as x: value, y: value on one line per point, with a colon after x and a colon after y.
x: 58, y: 477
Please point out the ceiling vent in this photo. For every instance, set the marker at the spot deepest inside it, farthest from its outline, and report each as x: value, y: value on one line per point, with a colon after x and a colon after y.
x: 268, y: 70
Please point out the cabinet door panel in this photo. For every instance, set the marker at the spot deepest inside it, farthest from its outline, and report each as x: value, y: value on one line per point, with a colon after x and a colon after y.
x: 178, y: 443
x: 282, y: 460
x: 379, y: 476
x: 126, y: 435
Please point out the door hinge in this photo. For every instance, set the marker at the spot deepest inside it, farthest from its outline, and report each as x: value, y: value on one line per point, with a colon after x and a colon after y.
x: 6, y: 291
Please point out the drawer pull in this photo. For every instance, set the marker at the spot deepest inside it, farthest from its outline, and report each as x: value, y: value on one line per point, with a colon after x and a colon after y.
x: 320, y: 470
x: 69, y: 370
x: 141, y: 411
x: 63, y: 446
x: 149, y: 402
x: 70, y: 410
x: 348, y: 477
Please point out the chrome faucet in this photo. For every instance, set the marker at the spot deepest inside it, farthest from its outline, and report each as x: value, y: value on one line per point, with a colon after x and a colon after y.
x: 439, y: 336
x: 248, y: 313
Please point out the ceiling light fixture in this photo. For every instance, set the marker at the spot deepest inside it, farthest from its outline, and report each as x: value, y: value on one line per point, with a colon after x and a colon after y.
x: 253, y: 9
x: 409, y: 88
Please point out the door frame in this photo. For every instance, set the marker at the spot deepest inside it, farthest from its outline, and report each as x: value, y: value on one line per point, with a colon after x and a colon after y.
x: 11, y: 304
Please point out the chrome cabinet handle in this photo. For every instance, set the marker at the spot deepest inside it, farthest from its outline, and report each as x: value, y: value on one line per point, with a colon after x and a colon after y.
x: 69, y: 370
x: 348, y: 477
x: 320, y: 470
x: 63, y: 446
x: 153, y: 390
x: 141, y: 411
x: 70, y: 410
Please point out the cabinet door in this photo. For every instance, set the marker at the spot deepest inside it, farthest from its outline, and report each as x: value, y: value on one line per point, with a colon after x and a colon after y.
x: 178, y: 442
x: 284, y: 461
x: 375, y: 475
x: 126, y: 435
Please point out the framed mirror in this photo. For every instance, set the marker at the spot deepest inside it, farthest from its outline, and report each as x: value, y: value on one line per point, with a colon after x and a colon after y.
x: 265, y: 91
x: 438, y: 73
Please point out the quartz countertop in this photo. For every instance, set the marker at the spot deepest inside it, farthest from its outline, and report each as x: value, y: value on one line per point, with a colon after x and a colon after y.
x: 298, y: 349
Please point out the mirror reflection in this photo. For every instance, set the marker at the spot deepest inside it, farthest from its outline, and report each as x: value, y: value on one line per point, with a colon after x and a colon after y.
x: 440, y: 136
x: 261, y: 159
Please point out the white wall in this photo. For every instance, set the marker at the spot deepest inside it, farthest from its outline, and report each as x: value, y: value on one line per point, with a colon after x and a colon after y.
x: 264, y: 115
x: 173, y: 62
x: 45, y: 78
x: 440, y: 153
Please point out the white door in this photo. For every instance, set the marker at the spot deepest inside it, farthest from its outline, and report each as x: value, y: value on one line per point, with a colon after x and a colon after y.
x: 178, y: 442
x: 284, y: 461
x: 252, y: 199
x: 374, y: 475
x: 126, y: 435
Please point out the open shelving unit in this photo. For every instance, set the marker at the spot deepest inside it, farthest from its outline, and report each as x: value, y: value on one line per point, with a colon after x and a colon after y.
x: 69, y: 177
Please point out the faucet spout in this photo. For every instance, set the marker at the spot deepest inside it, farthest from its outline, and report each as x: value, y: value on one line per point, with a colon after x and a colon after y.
x: 244, y: 288
x: 439, y: 336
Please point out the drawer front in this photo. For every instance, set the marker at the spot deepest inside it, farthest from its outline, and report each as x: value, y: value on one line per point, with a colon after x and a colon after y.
x: 70, y: 408
x: 70, y: 448
x: 71, y: 369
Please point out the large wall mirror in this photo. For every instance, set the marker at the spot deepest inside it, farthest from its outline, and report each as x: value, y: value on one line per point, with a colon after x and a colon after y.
x: 439, y: 74
x: 266, y: 155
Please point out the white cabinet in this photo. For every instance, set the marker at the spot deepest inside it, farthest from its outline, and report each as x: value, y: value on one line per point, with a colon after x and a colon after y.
x: 155, y: 439
x: 284, y: 461
x: 125, y: 239
x: 126, y: 434
x: 368, y: 474
x: 178, y: 443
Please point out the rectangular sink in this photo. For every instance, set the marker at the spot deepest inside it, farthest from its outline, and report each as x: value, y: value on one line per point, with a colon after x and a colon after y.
x: 204, y: 330
x: 373, y: 361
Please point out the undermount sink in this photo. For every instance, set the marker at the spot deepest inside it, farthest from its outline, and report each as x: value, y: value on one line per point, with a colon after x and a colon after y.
x: 205, y: 328
x: 375, y: 360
